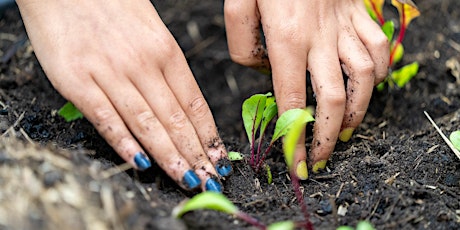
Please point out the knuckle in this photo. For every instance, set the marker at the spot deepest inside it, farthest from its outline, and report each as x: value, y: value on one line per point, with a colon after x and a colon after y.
x: 146, y: 120
x: 364, y: 67
x: 103, y: 116
x: 335, y: 97
x: 199, y: 108
x: 178, y: 120
x: 294, y: 100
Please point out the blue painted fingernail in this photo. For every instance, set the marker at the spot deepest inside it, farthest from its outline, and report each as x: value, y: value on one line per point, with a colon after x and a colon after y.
x: 191, y: 179
x: 224, y: 167
x: 142, y: 161
x: 213, y: 185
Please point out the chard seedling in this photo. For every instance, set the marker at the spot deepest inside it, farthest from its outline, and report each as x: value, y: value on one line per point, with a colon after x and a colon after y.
x: 219, y: 202
x: 407, y: 11
x: 69, y: 112
x: 296, y: 120
x: 257, y: 112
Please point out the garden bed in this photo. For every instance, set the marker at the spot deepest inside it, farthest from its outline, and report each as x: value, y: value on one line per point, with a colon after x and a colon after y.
x: 395, y: 172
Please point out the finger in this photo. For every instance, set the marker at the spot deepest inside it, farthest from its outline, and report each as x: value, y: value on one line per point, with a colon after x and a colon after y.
x: 375, y: 42
x: 107, y: 121
x: 288, y: 58
x: 182, y: 83
x: 242, y: 22
x: 328, y: 85
x: 359, y: 67
x: 160, y: 98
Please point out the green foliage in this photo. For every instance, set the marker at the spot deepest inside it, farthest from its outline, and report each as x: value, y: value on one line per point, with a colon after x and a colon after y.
x: 454, y: 137
x: 403, y: 75
x: 269, y: 174
x: 69, y: 112
x: 234, y: 156
x: 291, y: 123
x: 407, y: 12
x: 388, y: 29
x: 252, y: 112
x: 282, y: 225
x: 206, y: 200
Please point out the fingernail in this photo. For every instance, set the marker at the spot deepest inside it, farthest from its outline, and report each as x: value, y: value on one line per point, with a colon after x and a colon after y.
x: 224, y: 167
x: 319, y: 165
x: 346, y: 133
x: 213, y: 185
x: 301, y: 170
x: 142, y: 161
x: 191, y: 179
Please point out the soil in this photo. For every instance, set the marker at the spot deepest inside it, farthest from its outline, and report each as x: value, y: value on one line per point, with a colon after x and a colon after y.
x: 396, y: 171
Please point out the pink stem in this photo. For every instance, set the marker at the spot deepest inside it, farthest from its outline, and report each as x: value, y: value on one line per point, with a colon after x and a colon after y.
x: 379, y: 16
x: 251, y: 220
x: 303, y: 206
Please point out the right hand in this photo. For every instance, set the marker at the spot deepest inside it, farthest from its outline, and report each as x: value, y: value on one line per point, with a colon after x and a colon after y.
x: 120, y: 66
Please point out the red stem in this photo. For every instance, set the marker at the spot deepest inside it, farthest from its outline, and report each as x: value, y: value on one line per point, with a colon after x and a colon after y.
x: 251, y: 220
x: 296, y: 186
x: 267, y: 150
x: 402, y: 32
x: 379, y: 16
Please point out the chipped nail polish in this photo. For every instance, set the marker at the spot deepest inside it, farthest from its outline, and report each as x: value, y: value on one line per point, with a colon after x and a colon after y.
x: 142, y: 161
x: 301, y: 170
x: 191, y: 180
x: 213, y: 185
x: 224, y: 167
x: 346, y: 133
x: 319, y: 165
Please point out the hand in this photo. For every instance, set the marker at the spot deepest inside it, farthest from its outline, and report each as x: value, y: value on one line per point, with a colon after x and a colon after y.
x: 121, y: 67
x: 321, y: 37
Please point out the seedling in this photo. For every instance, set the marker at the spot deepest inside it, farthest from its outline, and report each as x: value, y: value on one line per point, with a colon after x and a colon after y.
x: 407, y: 11
x: 218, y: 202
x: 257, y: 112
x: 69, y: 112
x: 297, y: 119
x: 454, y: 137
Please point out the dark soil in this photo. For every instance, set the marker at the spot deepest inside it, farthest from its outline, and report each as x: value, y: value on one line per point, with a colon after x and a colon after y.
x: 396, y: 171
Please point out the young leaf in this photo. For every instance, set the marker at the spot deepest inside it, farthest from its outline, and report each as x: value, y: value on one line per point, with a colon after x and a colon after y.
x: 403, y: 75
x: 206, y: 200
x: 454, y: 137
x: 294, y: 123
x: 407, y: 11
x: 388, y: 29
x: 69, y: 112
x: 398, y: 53
x: 271, y: 109
x: 234, y: 156
x: 252, y: 112
x: 364, y: 225
x: 286, y: 120
x: 282, y: 225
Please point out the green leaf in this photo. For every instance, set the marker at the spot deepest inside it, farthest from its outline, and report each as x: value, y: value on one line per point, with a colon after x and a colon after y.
x: 206, y: 200
x: 284, y: 122
x: 234, y: 156
x: 403, y: 75
x: 270, y: 111
x: 269, y: 174
x: 398, y: 53
x: 69, y: 112
x: 364, y: 225
x: 388, y: 29
x: 282, y: 225
x: 291, y: 124
x: 252, y: 112
x: 345, y: 228
x: 454, y: 137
